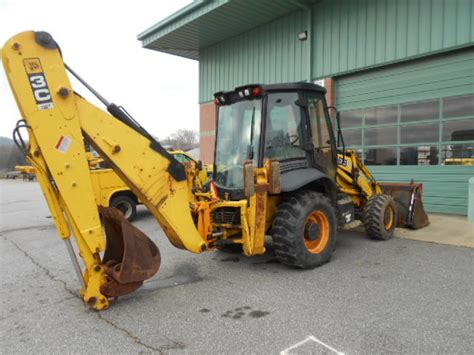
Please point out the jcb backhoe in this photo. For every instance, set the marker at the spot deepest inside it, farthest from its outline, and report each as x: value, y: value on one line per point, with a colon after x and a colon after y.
x: 275, y: 173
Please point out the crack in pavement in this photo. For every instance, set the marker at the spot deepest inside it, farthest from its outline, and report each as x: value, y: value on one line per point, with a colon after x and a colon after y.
x: 45, y: 226
x: 44, y: 269
x: 135, y: 338
x: 176, y: 345
x: 129, y: 334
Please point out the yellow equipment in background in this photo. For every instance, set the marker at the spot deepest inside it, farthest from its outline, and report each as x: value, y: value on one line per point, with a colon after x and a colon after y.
x: 94, y: 160
x: 110, y: 190
x: 381, y: 206
x: 459, y: 161
x: 26, y: 169
x: 275, y: 173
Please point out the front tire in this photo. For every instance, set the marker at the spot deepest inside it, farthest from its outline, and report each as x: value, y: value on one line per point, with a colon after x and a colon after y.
x: 304, y: 230
x: 126, y: 205
x: 380, y: 217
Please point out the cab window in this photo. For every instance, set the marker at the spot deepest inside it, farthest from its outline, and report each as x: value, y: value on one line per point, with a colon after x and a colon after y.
x: 284, y: 136
x: 321, y: 131
x: 319, y: 125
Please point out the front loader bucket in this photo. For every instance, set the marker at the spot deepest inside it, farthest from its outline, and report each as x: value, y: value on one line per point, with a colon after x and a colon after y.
x: 130, y: 257
x: 409, y: 202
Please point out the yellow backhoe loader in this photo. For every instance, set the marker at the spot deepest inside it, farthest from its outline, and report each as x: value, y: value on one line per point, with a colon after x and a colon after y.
x: 27, y: 172
x: 275, y: 173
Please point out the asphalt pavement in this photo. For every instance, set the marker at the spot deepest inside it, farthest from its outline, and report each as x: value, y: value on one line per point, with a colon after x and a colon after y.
x: 399, y: 296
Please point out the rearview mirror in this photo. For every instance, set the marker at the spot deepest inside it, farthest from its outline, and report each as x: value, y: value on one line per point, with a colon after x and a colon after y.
x: 301, y: 102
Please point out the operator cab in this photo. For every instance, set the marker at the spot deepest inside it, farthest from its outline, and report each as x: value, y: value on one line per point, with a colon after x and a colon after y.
x: 288, y: 123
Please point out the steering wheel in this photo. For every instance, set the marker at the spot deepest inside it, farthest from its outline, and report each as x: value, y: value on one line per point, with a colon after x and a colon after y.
x: 293, y: 138
x: 224, y: 177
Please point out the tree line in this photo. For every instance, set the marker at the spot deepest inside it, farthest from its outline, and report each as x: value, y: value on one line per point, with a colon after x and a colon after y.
x: 10, y: 155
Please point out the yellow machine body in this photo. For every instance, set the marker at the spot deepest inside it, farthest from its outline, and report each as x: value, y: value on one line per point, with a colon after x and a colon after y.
x: 59, y: 121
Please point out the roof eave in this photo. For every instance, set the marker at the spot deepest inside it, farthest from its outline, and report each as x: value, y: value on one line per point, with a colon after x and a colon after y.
x: 169, y: 20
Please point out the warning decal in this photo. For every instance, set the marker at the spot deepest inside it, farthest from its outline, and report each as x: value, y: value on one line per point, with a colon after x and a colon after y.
x: 64, y: 143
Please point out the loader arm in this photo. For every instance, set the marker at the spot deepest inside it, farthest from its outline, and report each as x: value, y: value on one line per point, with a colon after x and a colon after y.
x: 58, y: 120
x: 355, y: 179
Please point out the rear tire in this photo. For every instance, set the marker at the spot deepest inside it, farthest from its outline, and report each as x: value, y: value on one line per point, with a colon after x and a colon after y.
x: 126, y: 205
x: 380, y: 217
x: 304, y: 230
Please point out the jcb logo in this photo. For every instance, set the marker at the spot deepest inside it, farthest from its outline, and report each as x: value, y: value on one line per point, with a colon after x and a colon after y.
x: 38, y: 83
x: 33, y: 66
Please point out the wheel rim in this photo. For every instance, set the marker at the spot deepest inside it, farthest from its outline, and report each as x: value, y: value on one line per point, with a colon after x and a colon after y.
x: 389, y: 218
x: 125, y: 208
x: 316, y: 232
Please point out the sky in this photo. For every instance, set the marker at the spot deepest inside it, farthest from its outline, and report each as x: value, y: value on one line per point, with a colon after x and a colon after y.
x: 98, y: 40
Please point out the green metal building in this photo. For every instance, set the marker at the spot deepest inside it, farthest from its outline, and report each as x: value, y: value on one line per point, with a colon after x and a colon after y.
x: 401, y: 72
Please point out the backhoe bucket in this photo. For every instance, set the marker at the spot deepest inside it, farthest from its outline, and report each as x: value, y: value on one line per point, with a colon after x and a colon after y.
x: 409, y: 202
x: 130, y: 257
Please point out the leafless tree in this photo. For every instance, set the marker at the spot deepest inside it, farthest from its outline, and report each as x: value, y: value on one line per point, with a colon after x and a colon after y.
x: 184, y: 139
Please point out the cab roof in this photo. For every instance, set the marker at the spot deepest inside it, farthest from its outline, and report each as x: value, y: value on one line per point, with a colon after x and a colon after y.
x: 298, y: 86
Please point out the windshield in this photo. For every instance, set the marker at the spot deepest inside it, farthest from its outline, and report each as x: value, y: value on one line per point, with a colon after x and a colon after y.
x: 238, y: 134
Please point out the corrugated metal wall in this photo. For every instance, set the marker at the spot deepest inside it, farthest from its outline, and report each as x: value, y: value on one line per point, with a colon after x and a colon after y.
x: 348, y: 35
x: 268, y: 54
x: 445, y: 187
x: 434, y: 77
x: 355, y: 34
x: 440, y: 76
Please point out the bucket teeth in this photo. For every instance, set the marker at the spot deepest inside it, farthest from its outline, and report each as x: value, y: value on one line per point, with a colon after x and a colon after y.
x: 130, y: 257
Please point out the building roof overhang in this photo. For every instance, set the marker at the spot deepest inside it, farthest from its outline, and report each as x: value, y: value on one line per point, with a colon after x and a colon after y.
x: 204, y: 23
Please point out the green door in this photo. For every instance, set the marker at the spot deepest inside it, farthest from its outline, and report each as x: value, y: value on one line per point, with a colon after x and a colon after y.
x: 415, y: 120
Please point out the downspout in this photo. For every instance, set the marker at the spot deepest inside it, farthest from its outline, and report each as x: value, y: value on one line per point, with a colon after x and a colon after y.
x: 308, y: 10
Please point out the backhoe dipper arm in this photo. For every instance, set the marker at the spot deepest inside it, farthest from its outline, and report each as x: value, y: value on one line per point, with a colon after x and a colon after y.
x: 58, y: 120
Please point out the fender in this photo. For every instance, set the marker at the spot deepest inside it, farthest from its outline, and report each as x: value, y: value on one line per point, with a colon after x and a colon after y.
x: 295, y: 179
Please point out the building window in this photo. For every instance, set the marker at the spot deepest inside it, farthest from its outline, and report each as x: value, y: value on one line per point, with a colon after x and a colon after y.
x: 381, y: 136
x: 351, y: 118
x: 381, y: 115
x: 420, y: 111
x: 353, y: 137
x: 431, y: 132
x: 381, y: 156
x: 424, y: 133
x: 420, y: 155
x: 458, y: 106
x: 458, y: 130
x: 454, y: 152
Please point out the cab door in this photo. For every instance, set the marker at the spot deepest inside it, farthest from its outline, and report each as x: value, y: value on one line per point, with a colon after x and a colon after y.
x: 324, y: 154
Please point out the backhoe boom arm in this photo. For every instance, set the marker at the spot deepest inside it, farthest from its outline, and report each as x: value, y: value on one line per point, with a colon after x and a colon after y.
x: 58, y: 121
